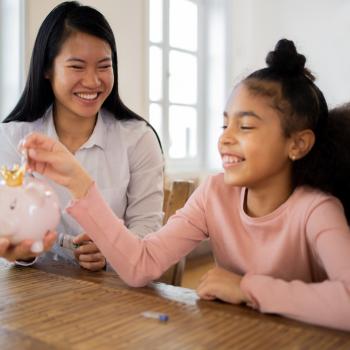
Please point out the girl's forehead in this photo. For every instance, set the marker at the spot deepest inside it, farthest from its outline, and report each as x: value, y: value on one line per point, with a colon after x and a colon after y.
x: 252, y: 95
x: 240, y: 97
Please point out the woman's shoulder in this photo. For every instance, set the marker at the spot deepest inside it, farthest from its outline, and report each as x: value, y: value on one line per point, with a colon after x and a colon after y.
x: 134, y: 137
x: 10, y: 135
x: 127, y: 125
x: 130, y: 130
x: 17, y: 130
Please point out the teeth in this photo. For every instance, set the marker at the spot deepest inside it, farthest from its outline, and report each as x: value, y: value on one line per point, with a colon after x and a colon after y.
x: 231, y: 159
x: 86, y: 96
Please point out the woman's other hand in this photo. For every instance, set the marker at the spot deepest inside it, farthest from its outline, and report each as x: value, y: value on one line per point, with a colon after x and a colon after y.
x: 51, y: 158
x: 87, y: 254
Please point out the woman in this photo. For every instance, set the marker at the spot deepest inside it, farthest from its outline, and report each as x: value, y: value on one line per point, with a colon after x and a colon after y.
x: 72, y: 95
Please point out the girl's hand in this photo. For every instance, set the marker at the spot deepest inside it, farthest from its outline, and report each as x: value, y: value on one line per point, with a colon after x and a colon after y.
x: 219, y: 283
x: 51, y: 158
x: 87, y: 254
x: 22, y: 250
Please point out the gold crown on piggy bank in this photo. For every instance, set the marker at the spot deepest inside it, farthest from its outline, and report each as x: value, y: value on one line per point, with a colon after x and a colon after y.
x: 13, y: 177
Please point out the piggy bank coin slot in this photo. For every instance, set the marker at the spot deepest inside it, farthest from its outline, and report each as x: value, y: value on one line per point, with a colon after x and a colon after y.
x: 13, y: 204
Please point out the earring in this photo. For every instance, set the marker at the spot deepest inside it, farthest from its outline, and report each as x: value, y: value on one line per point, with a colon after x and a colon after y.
x: 292, y: 157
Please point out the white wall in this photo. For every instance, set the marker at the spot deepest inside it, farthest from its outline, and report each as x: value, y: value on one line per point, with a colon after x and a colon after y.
x: 127, y: 19
x: 319, y: 28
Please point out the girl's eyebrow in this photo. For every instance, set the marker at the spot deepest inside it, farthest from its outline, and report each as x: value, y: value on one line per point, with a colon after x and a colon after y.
x: 241, y: 114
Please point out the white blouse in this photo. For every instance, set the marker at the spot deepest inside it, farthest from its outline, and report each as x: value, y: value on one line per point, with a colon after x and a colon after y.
x: 124, y: 159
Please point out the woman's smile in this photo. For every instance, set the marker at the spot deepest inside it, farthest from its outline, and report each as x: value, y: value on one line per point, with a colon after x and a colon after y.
x: 87, y: 96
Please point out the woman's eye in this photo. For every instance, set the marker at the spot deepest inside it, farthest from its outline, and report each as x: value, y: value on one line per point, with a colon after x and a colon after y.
x: 76, y: 67
x: 105, y: 67
x: 224, y: 127
x: 246, y: 127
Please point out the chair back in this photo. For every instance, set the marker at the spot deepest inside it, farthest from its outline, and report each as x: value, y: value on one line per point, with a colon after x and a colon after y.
x: 174, y: 199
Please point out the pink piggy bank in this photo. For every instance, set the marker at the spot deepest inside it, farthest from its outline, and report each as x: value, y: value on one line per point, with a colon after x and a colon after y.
x: 28, y: 211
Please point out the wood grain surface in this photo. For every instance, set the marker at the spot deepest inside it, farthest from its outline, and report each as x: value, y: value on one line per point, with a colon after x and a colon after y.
x: 57, y: 305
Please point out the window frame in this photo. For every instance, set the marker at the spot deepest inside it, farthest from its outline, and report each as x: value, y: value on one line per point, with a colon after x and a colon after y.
x: 188, y: 163
x: 209, y: 108
x: 6, y: 107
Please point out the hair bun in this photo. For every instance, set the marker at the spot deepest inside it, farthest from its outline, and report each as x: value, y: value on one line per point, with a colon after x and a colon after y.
x: 285, y: 60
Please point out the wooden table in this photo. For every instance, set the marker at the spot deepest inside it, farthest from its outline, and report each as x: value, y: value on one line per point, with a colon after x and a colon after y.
x: 56, y: 305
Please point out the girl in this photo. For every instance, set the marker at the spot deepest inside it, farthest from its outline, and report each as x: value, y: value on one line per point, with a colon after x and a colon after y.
x: 281, y: 242
x: 72, y: 95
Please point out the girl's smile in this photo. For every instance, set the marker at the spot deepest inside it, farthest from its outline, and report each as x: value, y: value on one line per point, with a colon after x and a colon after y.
x: 231, y: 160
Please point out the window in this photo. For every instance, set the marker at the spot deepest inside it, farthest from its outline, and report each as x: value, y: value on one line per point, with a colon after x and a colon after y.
x: 182, y: 63
x: 173, y: 77
x: 11, y: 58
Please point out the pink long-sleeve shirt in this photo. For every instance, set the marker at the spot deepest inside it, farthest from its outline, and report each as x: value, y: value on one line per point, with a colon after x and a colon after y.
x: 295, y: 260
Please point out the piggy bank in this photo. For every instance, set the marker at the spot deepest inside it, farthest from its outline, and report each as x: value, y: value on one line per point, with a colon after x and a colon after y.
x: 28, y: 210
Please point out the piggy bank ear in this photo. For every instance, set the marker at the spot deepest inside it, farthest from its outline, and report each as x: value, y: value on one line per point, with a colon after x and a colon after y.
x: 37, y: 193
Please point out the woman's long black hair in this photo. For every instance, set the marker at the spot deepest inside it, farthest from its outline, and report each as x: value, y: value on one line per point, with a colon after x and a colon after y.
x: 303, y: 106
x: 66, y: 18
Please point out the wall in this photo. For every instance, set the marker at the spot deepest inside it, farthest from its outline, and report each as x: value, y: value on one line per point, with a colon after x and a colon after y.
x: 127, y: 20
x: 320, y: 29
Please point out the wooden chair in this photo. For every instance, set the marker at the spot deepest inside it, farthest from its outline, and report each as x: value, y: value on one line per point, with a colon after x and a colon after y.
x: 174, y: 199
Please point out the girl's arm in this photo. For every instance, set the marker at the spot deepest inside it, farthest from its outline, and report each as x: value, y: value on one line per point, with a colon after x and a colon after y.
x: 137, y: 261
x: 326, y: 303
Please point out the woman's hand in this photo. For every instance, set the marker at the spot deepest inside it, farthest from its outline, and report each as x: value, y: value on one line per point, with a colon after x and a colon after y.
x: 51, y: 158
x: 219, y: 283
x: 87, y: 254
x: 22, y: 250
